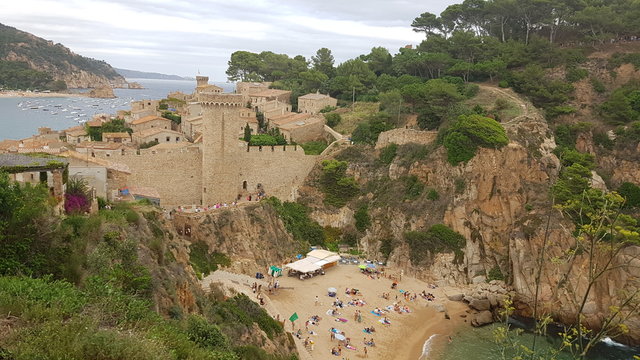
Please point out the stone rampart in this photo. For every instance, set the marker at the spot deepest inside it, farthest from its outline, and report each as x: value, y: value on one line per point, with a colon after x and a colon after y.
x: 406, y: 136
x: 175, y: 173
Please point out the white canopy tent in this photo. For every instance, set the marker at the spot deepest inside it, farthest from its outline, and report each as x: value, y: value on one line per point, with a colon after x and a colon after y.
x: 315, y: 260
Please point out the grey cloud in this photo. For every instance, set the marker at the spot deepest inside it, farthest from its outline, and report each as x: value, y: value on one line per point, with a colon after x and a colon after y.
x: 184, y: 52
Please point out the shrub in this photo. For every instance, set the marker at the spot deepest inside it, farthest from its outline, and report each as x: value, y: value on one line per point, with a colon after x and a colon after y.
x: 503, y: 84
x: 495, y: 274
x: 204, y: 262
x: 470, y: 132
x: 388, y: 153
x: 368, y: 131
x: 631, y: 193
x: 205, y: 334
x: 327, y: 109
x: 297, y: 221
x: 597, y: 85
x: 333, y: 119
x: 314, y: 147
x: 433, y: 195
x: 413, y: 187
x: 439, y: 238
x: 336, y: 186
x: 363, y: 221
x: 576, y: 74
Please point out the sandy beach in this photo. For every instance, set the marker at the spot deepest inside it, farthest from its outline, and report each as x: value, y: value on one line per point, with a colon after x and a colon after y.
x: 402, y: 339
x: 13, y: 94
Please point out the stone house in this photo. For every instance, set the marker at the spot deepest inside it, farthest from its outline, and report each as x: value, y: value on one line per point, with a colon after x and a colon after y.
x: 116, y: 137
x: 246, y: 88
x: 94, y: 148
x: 150, y: 122
x: 299, y: 128
x: 264, y: 96
x: 76, y: 135
x: 105, y: 177
x: 158, y: 134
x: 143, y: 108
x: 313, y: 103
x: 273, y: 108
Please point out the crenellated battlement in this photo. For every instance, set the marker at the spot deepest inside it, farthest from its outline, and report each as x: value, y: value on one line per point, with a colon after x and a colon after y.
x: 228, y: 100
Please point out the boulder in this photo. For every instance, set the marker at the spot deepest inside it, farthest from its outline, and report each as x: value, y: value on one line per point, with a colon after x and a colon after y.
x: 439, y: 307
x: 482, y: 318
x: 102, y: 92
x: 479, y: 280
x: 458, y: 296
x: 480, y: 304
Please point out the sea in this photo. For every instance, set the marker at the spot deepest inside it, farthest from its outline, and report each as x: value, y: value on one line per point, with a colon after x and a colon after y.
x: 479, y: 344
x: 20, y: 117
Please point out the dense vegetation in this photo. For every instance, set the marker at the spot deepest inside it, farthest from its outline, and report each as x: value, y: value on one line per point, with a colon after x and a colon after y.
x: 438, y: 238
x: 470, y: 132
x: 338, y: 188
x: 78, y: 288
x: 17, y: 75
x: 297, y: 222
x: 46, y: 54
x: 113, y: 125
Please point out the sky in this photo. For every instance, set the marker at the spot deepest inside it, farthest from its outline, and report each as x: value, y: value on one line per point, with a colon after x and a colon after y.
x: 184, y: 37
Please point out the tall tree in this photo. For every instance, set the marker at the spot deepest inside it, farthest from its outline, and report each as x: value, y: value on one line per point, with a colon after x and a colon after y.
x: 243, y: 66
x: 427, y: 23
x: 323, y: 61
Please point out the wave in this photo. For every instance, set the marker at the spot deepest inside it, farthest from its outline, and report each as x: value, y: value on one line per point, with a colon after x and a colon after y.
x: 426, y: 348
x: 610, y: 342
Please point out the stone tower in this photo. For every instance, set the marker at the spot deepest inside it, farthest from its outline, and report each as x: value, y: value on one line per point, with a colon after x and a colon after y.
x: 202, y: 81
x: 222, y: 149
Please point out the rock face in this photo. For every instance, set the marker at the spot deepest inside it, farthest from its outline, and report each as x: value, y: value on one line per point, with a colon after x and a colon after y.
x: 500, y: 202
x: 252, y: 236
x: 103, y: 92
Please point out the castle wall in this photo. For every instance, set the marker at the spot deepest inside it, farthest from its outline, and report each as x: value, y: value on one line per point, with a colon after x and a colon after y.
x: 176, y: 173
x: 405, y: 136
x: 280, y: 169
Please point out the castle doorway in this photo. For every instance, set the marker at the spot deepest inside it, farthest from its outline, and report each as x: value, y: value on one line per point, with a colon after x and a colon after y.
x: 244, y: 185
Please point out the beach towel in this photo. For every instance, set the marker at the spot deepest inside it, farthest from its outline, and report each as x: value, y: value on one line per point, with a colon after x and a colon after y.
x: 341, y: 319
x: 350, y: 347
x: 385, y: 322
x: 365, y: 331
x: 375, y: 313
x: 335, y: 331
x: 401, y: 291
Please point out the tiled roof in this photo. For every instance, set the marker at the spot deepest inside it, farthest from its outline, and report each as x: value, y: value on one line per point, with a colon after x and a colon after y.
x: 147, y: 119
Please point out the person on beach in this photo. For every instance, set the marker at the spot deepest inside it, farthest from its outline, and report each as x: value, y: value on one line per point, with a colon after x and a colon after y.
x: 316, y: 303
x: 365, y: 352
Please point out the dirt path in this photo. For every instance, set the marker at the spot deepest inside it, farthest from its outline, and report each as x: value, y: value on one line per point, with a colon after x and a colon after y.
x: 526, y: 107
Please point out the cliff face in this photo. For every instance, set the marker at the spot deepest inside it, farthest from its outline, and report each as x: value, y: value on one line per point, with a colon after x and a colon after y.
x: 56, y: 60
x: 251, y: 235
x: 499, y: 201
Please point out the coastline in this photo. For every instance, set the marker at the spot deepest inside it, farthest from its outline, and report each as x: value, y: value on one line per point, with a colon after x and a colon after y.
x: 429, y: 322
x: 27, y: 94
x: 403, y: 339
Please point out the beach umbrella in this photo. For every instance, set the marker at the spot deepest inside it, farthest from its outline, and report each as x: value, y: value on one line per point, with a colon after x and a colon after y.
x: 340, y: 337
x: 331, y: 290
x: 363, y: 266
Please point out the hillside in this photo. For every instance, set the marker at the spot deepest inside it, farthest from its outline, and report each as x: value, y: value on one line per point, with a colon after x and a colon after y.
x: 28, y: 61
x: 134, y: 74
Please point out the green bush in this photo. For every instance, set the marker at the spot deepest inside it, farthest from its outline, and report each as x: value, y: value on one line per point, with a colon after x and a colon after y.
x: 438, y: 239
x: 495, y: 274
x: 204, y: 262
x: 597, y: 85
x: 631, y: 193
x: 333, y: 119
x: 327, y: 109
x: 433, y: 195
x: 367, y: 132
x: 297, y: 221
x: 172, y: 116
x: 469, y: 133
x: 336, y: 186
x: 388, y: 153
x: 413, y: 187
x: 363, y: 221
x: 503, y: 84
x: 205, y: 334
x: 576, y: 74
x: 314, y: 147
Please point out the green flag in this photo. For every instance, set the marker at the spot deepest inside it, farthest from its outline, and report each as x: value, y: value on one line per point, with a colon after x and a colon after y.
x: 294, y: 317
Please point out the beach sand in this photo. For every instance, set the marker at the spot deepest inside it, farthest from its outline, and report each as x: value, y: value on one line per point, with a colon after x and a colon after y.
x: 403, y: 339
x: 13, y: 94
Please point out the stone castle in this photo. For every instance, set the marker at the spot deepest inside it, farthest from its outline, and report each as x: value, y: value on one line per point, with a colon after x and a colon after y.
x: 222, y: 167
